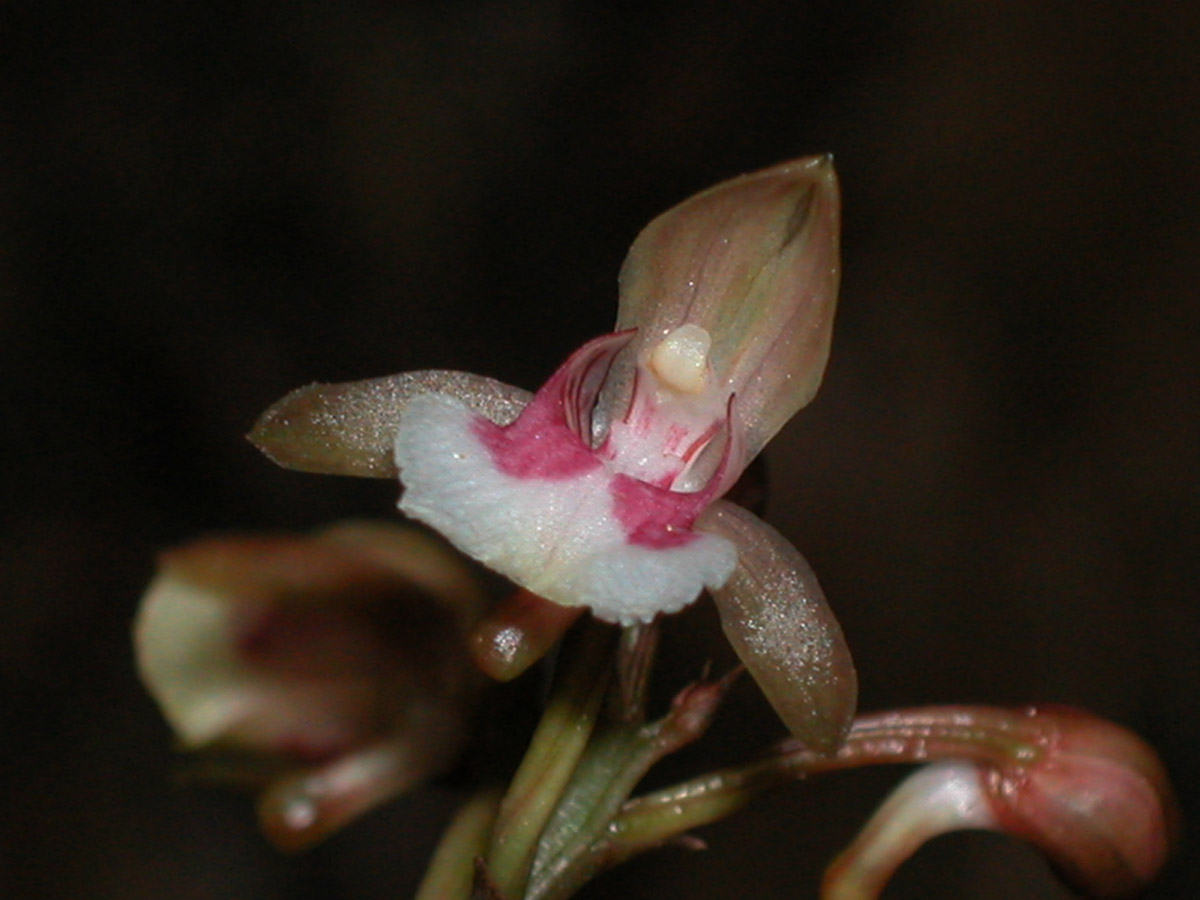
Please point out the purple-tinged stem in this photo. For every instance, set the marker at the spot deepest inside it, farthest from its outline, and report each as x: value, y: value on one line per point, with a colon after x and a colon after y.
x: 987, y: 735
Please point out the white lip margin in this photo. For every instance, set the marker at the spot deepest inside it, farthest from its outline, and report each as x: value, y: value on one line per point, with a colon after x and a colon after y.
x: 558, y: 538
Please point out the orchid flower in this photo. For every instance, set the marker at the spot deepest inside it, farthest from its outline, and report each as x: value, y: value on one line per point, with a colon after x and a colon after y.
x: 333, y: 664
x: 602, y: 490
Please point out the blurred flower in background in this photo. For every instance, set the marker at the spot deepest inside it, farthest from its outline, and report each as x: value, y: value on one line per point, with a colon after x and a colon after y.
x: 331, y: 667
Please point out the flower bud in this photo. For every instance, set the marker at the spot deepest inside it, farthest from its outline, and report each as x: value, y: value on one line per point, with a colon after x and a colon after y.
x: 1091, y: 796
x: 1098, y: 803
x: 339, y: 659
x: 517, y: 632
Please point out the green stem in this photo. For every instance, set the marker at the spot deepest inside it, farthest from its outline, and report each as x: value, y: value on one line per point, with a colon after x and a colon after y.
x: 452, y: 869
x: 554, y: 751
x: 603, y: 781
x: 615, y: 762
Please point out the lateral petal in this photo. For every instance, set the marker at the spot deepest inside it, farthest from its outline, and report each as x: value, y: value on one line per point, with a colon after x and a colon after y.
x: 775, y: 615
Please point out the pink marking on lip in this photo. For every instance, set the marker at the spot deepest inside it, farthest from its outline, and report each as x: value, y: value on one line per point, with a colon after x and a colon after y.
x: 653, y: 516
x: 538, y: 445
x: 549, y: 440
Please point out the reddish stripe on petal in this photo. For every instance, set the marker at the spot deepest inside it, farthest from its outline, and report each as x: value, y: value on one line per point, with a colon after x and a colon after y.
x: 654, y: 517
x: 538, y: 445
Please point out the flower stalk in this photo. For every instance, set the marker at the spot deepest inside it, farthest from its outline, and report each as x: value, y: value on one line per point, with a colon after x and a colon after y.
x: 1090, y: 795
x: 895, y: 737
x: 557, y: 745
x: 451, y: 871
x: 620, y: 756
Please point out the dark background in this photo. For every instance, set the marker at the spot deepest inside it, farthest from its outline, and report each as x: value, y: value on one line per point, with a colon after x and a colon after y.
x: 203, y: 206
